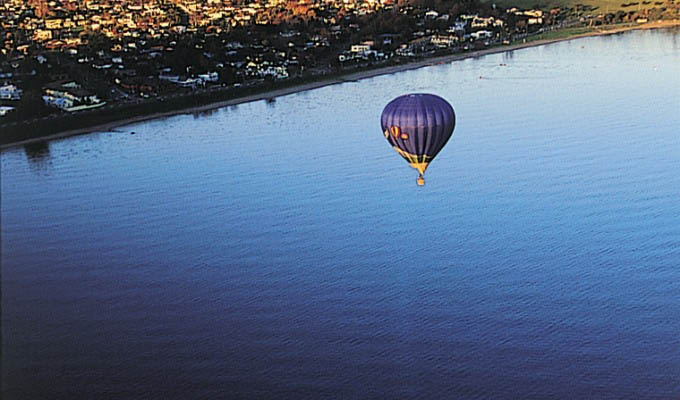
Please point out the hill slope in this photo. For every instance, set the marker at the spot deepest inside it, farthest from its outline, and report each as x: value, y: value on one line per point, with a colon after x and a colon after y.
x: 601, y: 6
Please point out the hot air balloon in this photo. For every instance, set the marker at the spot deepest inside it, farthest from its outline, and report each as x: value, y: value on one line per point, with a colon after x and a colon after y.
x: 418, y: 126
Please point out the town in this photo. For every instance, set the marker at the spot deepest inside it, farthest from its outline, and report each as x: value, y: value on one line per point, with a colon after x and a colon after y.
x: 62, y: 57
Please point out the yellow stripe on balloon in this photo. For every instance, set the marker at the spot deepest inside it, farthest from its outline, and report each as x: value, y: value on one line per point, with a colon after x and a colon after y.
x: 419, y: 162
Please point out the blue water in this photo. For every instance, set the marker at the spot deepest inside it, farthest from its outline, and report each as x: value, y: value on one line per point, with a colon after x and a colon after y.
x: 283, y: 250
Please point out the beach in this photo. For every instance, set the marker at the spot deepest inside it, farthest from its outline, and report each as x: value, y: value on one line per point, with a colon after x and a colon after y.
x: 349, y: 77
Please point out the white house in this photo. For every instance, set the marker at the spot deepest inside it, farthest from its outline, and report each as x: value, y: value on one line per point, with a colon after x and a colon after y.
x: 444, y: 40
x: 4, y: 110
x: 360, y: 48
x: 209, y: 77
x: 481, y: 35
x: 278, y: 72
x: 69, y: 96
x: 10, y: 92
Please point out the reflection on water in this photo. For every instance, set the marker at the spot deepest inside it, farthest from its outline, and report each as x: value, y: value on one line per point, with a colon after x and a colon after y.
x: 205, y: 113
x: 38, y: 154
x: 284, y: 252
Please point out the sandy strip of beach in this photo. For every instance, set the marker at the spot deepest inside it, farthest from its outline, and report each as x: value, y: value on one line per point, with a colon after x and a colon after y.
x: 332, y: 81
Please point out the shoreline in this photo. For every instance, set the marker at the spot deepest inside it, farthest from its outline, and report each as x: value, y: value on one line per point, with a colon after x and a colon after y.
x: 349, y: 77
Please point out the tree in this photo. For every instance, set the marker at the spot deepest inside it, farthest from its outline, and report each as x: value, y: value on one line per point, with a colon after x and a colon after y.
x: 31, y: 105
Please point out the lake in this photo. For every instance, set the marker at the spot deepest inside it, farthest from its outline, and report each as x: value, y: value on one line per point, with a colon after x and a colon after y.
x: 283, y: 250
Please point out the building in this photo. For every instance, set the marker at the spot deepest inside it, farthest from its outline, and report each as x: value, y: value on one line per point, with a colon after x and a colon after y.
x: 4, y: 110
x: 69, y: 96
x: 10, y: 92
x: 444, y: 40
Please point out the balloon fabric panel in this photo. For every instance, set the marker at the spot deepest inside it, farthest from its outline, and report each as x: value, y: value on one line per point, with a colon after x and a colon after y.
x: 418, y: 126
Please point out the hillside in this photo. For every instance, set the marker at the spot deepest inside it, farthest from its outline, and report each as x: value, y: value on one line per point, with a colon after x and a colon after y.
x: 597, y: 6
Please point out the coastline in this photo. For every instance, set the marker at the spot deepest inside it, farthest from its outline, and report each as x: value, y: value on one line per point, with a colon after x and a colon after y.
x: 349, y: 77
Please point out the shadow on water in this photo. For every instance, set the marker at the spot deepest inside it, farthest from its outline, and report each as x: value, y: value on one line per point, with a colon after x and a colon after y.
x: 38, y: 154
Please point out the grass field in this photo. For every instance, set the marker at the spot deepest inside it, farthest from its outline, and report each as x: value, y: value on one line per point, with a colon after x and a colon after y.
x: 560, y: 33
x: 603, y: 6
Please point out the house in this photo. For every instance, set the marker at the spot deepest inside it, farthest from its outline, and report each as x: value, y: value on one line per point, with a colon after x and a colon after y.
x: 388, y: 38
x: 54, y: 23
x: 209, y: 77
x: 457, y: 28
x: 69, y: 96
x: 139, y: 85
x: 414, y: 47
x: 360, y: 48
x: 481, y: 35
x: 444, y: 40
x: 4, y: 110
x: 535, y: 16
x: 277, y: 72
x: 405, y: 51
x: 481, y: 22
x: 40, y: 35
x: 10, y: 92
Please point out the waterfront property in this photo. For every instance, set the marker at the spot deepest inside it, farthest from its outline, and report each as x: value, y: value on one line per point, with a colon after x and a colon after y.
x: 122, y: 49
x: 10, y: 92
x: 280, y: 249
x: 70, y: 96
